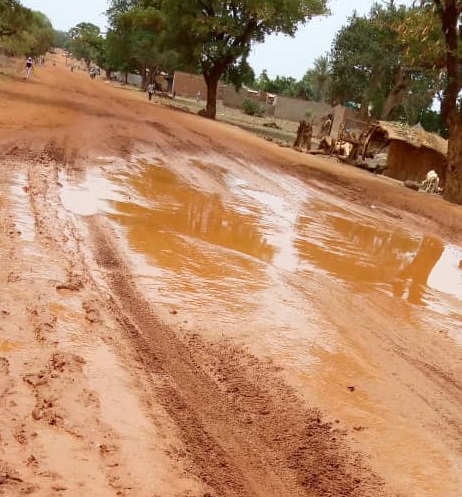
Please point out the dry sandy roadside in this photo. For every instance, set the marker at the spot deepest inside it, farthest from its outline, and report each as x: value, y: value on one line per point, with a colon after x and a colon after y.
x: 66, y: 431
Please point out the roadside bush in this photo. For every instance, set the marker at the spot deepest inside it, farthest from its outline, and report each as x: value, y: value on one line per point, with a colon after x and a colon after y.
x: 252, y: 108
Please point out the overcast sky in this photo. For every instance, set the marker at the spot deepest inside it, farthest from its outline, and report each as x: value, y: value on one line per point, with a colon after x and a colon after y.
x: 279, y: 55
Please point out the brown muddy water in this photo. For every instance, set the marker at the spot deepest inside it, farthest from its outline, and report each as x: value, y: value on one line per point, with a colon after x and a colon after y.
x: 229, y: 244
x: 232, y: 250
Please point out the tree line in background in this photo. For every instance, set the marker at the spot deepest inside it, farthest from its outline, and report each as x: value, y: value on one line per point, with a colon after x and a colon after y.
x: 24, y: 31
x: 369, y: 66
x: 389, y: 64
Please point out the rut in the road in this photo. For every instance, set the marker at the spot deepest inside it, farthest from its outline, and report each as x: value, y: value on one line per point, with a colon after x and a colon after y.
x: 245, y: 432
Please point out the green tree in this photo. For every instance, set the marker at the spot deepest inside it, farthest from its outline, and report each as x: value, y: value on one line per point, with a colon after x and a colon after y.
x: 117, y: 53
x: 449, y: 13
x: 319, y: 78
x: 281, y: 85
x: 35, y: 39
x: 39, y: 36
x: 286, y: 86
x: 217, y: 34
x: 433, y: 122
x: 368, y: 66
x: 14, y: 18
x: 143, y: 30
x: 139, y: 38
x: 246, y: 74
x: 433, y: 36
x: 86, y: 42
x: 305, y: 87
x: 262, y: 81
x: 61, y: 39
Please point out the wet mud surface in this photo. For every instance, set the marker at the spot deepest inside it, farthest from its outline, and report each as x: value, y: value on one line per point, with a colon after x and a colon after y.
x: 189, y: 310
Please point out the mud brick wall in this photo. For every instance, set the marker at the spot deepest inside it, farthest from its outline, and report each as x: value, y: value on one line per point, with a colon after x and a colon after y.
x: 187, y: 85
x: 294, y: 109
x: 132, y: 79
x: 234, y: 99
x: 340, y: 115
x: 290, y: 109
x: 408, y: 162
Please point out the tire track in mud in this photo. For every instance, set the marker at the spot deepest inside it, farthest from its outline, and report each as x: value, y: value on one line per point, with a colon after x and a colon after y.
x: 447, y: 385
x: 60, y: 404
x: 246, y: 433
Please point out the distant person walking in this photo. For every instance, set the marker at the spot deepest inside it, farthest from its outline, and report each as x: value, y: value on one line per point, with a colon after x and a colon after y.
x: 151, y: 89
x: 29, y: 67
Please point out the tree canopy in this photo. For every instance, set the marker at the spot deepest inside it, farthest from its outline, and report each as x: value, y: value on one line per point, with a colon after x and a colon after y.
x: 24, y: 31
x: 14, y: 18
x: 86, y: 42
x: 212, y: 37
x: 61, y: 39
x: 314, y: 85
x: 433, y: 35
x: 318, y: 79
x: 370, y: 67
x: 138, y: 39
x: 217, y: 35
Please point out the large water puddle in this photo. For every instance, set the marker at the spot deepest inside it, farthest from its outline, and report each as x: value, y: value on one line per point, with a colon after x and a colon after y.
x: 235, y: 251
x: 232, y: 247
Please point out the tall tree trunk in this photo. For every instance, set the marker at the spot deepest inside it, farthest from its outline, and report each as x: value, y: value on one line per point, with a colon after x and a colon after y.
x: 453, y: 183
x: 152, y: 75
x: 126, y: 77
x: 144, y: 78
x: 375, y: 81
x: 401, y: 84
x: 212, y: 86
x: 108, y: 74
x: 449, y: 13
x: 364, y: 109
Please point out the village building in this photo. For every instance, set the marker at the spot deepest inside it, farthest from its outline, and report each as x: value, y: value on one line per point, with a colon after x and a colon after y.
x: 411, y: 151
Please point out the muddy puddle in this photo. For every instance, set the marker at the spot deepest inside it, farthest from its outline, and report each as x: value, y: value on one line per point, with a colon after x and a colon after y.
x: 240, y: 252
x: 290, y: 273
x: 225, y: 246
x: 9, y: 346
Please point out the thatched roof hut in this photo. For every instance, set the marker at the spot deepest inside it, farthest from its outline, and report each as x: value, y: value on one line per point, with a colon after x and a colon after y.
x: 412, y: 151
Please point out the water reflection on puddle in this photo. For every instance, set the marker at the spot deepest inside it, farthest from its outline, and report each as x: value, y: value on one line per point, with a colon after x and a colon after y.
x: 410, y: 267
x: 9, y: 346
x: 90, y: 195
x: 229, y: 252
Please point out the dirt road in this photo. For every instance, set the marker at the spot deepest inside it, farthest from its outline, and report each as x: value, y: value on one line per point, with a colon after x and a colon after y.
x: 189, y: 310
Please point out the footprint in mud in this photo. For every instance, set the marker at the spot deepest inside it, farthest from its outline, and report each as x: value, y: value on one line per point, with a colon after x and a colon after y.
x: 92, y: 313
x: 22, y: 435
x: 44, y: 321
x: 72, y: 284
x: 4, y: 376
x: 45, y: 410
x: 48, y: 385
x: 13, y: 278
x: 74, y: 280
x: 10, y: 481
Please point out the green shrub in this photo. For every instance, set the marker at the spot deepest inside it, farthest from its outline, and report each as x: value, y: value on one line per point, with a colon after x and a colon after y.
x: 252, y: 108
